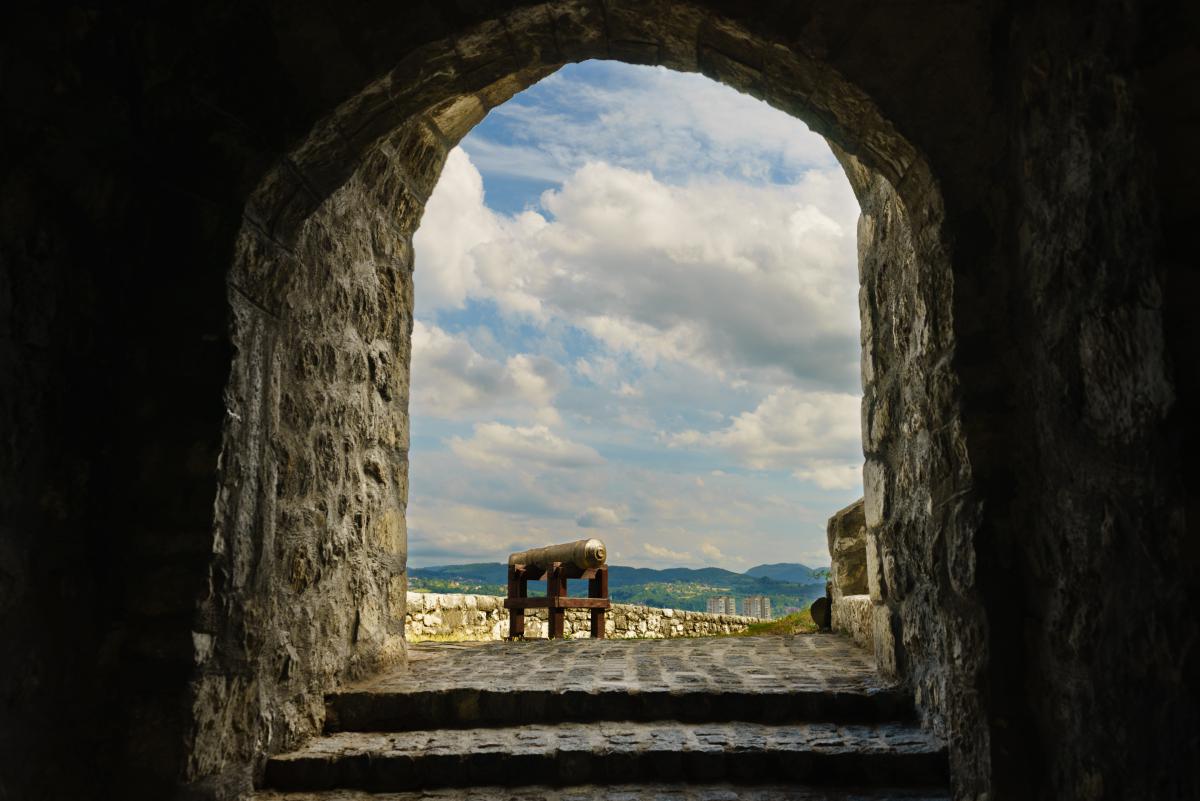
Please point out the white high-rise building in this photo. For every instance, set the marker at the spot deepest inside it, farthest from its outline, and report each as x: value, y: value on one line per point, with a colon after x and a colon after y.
x: 757, y: 606
x: 722, y: 605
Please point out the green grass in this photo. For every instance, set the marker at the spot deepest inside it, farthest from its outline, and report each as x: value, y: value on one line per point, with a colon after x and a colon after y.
x: 456, y: 636
x: 795, y: 623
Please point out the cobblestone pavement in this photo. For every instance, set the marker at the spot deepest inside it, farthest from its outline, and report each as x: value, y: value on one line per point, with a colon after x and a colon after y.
x: 648, y: 792
x: 755, y: 679
x: 800, y: 663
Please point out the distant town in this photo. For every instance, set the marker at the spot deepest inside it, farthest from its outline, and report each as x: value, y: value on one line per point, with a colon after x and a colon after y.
x: 764, y: 591
x: 758, y: 606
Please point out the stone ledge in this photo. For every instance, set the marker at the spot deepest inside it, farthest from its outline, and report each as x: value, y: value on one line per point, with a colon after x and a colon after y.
x: 837, y: 753
x: 625, y: 792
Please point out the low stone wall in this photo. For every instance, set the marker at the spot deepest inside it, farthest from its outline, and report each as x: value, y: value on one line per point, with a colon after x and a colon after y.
x: 854, y: 583
x: 855, y: 615
x: 439, y: 616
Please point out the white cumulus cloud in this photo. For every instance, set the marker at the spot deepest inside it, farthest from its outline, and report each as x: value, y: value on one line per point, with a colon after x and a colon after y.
x: 791, y: 430
x: 598, y: 517
x: 662, y: 272
x: 832, y: 475
x: 503, y: 445
x: 659, y: 552
x: 452, y: 380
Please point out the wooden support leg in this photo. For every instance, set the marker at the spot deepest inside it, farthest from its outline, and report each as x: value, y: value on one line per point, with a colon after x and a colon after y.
x: 598, y: 588
x: 556, y: 587
x: 517, y: 588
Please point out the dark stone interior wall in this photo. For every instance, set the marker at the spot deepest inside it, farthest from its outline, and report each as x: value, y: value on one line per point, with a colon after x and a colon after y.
x: 920, y: 502
x: 307, y: 580
x: 1035, y: 475
x: 1092, y: 569
x: 1058, y: 502
x: 112, y: 333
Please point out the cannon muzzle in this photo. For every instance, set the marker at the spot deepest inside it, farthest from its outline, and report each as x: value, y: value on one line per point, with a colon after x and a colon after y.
x: 584, y: 554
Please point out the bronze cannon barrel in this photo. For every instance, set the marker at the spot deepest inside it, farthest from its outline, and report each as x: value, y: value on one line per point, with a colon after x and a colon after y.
x: 584, y: 554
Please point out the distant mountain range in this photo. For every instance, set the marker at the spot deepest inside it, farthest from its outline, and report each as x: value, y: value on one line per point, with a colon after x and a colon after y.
x: 787, y: 583
x: 786, y: 571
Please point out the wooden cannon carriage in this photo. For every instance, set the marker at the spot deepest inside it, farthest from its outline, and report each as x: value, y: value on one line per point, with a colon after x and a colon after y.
x: 555, y: 564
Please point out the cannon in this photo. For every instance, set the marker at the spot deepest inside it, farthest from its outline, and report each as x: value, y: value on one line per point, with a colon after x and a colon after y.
x: 582, y: 559
x: 583, y: 554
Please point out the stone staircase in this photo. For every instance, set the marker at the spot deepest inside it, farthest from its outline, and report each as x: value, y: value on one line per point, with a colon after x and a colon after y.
x: 747, y: 718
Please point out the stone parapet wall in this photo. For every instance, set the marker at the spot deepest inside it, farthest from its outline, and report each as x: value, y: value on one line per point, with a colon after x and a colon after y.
x: 855, y: 615
x: 435, y: 616
x: 857, y: 605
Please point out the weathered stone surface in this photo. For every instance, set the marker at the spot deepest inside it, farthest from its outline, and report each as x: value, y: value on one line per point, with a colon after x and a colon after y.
x: 910, y: 391
x: 762, y: 679
x: 624, y: 792
x: 578, y: 753
x: 432, y: 616
x: 886, y: 635
x: 747, y: 709
x: 855, y: 585
x: 313, y: 479
x: 876, y: 584
x: 802, y: 662
x: 854, y: 615
x: 847, y: 532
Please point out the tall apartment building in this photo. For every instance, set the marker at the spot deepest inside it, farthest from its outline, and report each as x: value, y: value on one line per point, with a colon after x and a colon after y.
x: 757, y: 606
x: 722, y: 605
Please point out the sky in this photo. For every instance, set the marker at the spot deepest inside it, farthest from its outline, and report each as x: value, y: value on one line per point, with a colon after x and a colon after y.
x: 637, y: 320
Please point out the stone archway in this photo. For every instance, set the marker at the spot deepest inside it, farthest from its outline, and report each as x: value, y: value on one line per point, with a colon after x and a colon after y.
x: 310, y: 518
x: 1041, y: 156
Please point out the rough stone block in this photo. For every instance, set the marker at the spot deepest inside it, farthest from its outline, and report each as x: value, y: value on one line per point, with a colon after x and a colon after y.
x: 855, y: 615
x: 387, y: 532
x: 846, y: 533
x: 889, y: 648
x: 370, y: 622
x: 417, y: 602
x: 875, y: 492
x: 876, y: 586
x: 580, y: 28
x: 670, y: 29
x: 457, y: 116
x: 416, y: 147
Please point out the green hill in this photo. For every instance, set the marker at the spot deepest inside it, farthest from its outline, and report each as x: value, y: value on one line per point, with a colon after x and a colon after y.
x: 785, y: 571
x: 675, y: 587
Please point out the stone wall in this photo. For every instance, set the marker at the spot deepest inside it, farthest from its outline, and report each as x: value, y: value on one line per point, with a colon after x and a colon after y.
x: 1092, y: 491
x: 483, y: 617
x: 309, y: 544
x: 919, y: 512
x: 851, y: 609
x: 854, y: 615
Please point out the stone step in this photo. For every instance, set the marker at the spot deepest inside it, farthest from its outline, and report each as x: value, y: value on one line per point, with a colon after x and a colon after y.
x: 624, y: 792
x: 471, y: 707
x: 604, y: 752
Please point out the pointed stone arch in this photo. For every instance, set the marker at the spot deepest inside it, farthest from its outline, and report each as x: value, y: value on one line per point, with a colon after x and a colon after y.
x: 314, y: 461
x: 1027, y: 287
